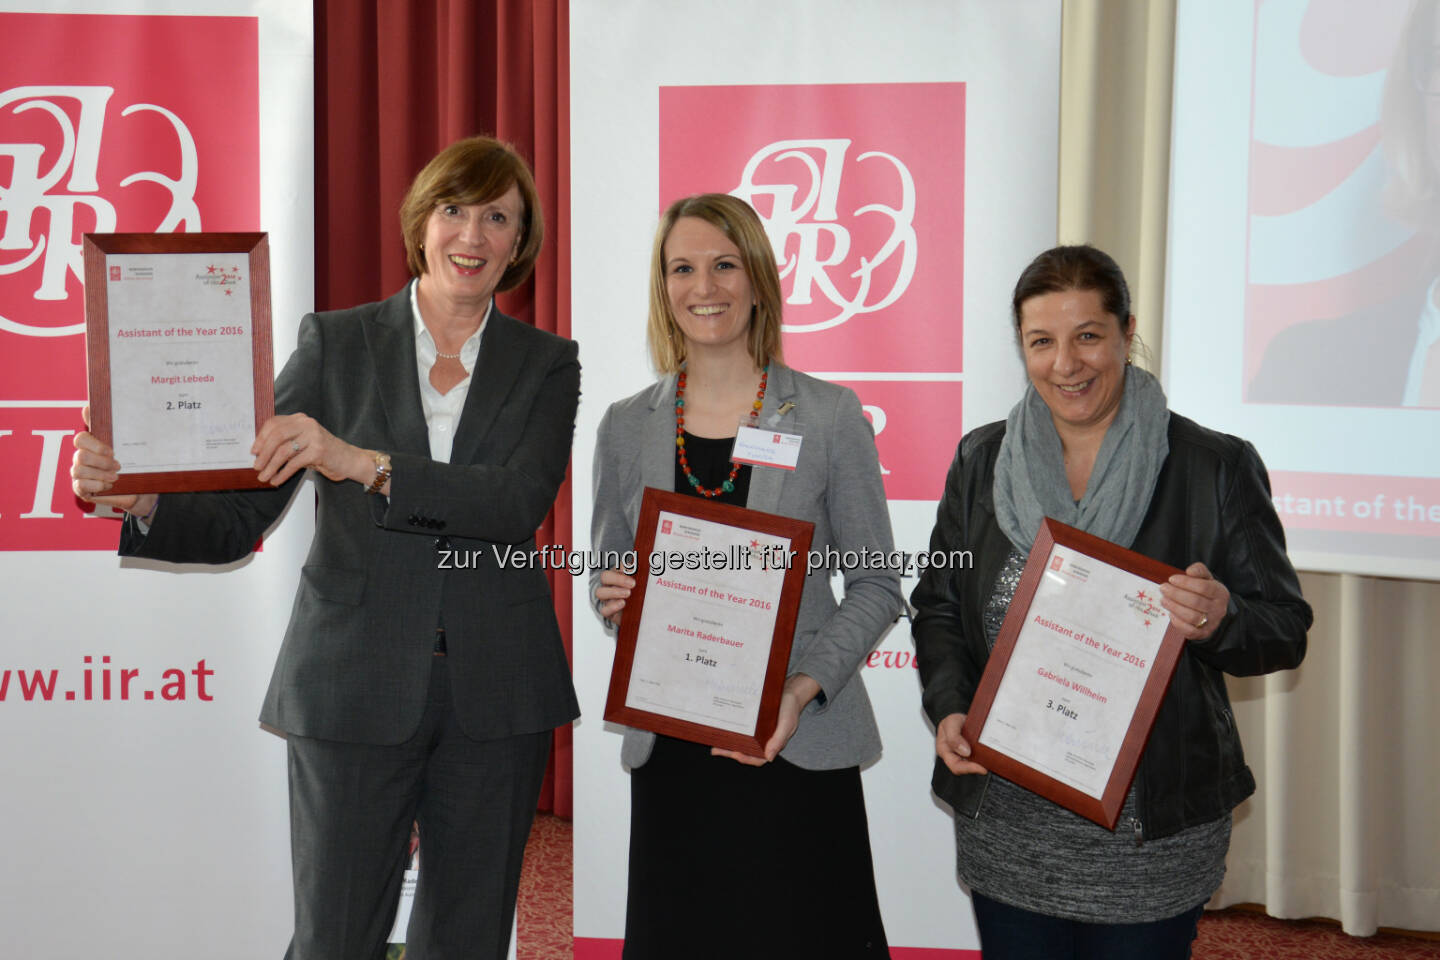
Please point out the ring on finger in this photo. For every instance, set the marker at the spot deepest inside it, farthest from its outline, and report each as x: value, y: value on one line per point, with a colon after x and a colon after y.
x: 294, y: 446
x: 1204, y: 619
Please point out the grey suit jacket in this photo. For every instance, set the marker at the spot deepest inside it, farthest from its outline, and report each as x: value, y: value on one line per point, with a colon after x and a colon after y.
x: 836, y: 485
x: 357, y: 655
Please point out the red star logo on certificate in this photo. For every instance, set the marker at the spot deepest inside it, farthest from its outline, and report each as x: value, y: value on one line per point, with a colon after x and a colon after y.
x: 1142, y: 595
x: 754, y: 544
x: 228, y: 292
x: 1147, y: 623
x: 211, y: 269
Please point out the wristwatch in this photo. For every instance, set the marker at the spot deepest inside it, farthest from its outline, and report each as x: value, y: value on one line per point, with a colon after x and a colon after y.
x: 382, y: 472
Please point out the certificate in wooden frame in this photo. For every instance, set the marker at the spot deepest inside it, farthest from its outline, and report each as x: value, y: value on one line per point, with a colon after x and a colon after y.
x: 1104, y: 809
x: 100, y: 272
x: 799, y: 534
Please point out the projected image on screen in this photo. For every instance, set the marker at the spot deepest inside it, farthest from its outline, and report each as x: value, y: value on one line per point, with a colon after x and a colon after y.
x: 1302, y: 304
x: 1342, y: 304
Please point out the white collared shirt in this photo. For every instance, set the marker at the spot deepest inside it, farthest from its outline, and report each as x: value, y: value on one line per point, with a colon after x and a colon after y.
x: 442, y: 410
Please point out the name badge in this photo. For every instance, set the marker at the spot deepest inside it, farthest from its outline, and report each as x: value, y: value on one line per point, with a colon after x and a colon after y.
x: 766, y: 448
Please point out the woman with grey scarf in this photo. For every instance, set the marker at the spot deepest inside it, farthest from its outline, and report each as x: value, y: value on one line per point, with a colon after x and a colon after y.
x: 1093, y: 444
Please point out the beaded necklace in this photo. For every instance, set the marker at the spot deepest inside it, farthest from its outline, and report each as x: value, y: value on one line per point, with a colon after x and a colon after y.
x: 694, y: 481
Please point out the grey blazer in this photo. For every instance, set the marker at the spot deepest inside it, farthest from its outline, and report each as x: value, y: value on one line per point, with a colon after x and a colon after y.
x: 356, y: 657
x: 836, y: 485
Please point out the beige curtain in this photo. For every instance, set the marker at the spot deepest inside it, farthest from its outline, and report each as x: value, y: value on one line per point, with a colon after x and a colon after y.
x: 1346, y: 821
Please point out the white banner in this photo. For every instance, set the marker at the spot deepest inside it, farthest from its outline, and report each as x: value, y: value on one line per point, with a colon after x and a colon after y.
x: 904, y: 159
x: 147, y: 807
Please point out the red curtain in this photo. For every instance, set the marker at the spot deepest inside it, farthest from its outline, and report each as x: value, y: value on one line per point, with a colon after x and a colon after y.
x: 395, y: 82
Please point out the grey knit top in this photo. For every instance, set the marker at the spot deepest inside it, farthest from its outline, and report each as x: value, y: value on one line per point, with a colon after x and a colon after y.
x: 1026, y: 851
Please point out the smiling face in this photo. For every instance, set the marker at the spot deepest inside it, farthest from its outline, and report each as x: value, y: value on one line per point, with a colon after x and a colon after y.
x: 468, y: 246
x: 1075, y: 356
x: 708, y: 288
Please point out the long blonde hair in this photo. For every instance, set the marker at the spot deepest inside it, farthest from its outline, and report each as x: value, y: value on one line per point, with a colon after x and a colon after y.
x: 734, y: 218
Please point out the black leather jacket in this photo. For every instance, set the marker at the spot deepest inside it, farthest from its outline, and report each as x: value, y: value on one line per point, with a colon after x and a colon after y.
x: 1211, y: 503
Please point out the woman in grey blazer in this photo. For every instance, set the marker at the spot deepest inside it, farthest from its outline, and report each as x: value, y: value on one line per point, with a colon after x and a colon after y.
x: 708, y: 825
x: 420, y: 677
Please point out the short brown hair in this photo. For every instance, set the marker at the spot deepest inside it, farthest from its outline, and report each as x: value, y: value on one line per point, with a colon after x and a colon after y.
x: 473, y: 170
x: 1078, y: 267
x: 734, y: 218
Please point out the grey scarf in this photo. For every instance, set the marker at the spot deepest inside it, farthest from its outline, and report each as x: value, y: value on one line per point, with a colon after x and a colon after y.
x: 1030, y: 481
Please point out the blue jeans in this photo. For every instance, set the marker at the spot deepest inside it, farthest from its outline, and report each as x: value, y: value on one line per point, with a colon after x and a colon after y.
x: 1013, y: 933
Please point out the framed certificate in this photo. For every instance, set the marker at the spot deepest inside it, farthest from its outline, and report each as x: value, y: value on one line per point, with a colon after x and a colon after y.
x: 705, y: 639
x: 177, y: 338
x: 1083, y: 659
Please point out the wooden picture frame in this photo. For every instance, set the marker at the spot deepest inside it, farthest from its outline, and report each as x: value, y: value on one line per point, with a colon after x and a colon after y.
x: 659, y: 506
x: 1030, y: 685
x: 168, y: 254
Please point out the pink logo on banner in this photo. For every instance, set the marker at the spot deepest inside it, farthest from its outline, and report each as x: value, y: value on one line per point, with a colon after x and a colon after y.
x: 908, y: 418
x: 107, y: 124
x: 1056, y: 562
x: 665, y: 526
x: 861, y: 188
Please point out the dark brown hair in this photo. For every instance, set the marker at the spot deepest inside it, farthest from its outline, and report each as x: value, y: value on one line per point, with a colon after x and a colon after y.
x: 1078, y: 267
x: 473, y: 170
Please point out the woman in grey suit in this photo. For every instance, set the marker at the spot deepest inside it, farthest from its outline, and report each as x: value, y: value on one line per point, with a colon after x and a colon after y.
x: 785, y: 831
x: 420, y: 676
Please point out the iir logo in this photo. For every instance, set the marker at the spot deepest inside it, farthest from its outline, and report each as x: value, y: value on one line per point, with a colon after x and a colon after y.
x: 66, y: 182
x: 833, y: 252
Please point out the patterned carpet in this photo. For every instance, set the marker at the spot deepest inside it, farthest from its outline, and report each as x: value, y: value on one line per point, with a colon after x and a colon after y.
x: 1245, y: 934
x: 546, y: 932
x: 546, y: 893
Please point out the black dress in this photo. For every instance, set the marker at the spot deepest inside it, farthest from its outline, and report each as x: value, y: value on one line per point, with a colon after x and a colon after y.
x: 730, y: 861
